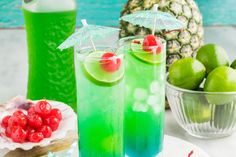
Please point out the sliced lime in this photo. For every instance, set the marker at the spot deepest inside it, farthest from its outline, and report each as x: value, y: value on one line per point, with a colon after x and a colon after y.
x: 137, y: 51
x: 92, y: 66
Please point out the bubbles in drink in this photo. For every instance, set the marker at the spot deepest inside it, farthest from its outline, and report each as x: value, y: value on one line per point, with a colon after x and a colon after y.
x: 140, y: 94
x: 49, y: 5
x: 154, y: 87
x: 140, y: 107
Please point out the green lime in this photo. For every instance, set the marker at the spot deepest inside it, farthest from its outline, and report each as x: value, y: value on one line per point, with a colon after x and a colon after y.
x: 212, y: 56
x: 93, y: 68
x: 196, y: 108
x: 233, y: 65
x: 137, y: 51
x: 187, y: 73
x: 221, y: 79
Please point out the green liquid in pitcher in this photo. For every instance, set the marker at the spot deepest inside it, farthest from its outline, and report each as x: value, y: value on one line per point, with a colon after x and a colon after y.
x: 51, y: 71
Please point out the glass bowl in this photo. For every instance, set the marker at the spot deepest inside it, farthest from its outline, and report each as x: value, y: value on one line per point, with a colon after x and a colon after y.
x: 203, y: 114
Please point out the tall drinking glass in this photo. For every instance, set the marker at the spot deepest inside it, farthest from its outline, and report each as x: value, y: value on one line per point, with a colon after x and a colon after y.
x: 100, y: 107
x: 145, y: 97
x: 51, y: 72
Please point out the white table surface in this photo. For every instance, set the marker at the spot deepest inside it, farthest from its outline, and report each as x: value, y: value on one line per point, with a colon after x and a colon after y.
x: 13, y: 79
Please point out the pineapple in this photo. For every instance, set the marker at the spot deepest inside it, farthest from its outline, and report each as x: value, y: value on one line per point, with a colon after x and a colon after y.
x: 180, y: 44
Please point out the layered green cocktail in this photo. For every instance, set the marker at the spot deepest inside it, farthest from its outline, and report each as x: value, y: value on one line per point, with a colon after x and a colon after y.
x: 145, y: 96
x: 100, y: 107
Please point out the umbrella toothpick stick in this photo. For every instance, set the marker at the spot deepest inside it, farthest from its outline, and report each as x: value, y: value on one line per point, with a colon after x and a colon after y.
x: 154, y: 27
x: 155, y: 9
x: 84, y: 23
x: 91, y: 40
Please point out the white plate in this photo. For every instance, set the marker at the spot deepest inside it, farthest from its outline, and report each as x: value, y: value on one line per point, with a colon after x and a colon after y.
x: 175, y: 147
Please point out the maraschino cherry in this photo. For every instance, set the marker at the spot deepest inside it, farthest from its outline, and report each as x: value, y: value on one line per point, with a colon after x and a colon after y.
x: 152, y: 44
x: 109, y: 62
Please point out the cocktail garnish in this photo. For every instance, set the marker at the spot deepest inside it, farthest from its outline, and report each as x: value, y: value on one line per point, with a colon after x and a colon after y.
x: 152, y: 44
x: 109, y: 62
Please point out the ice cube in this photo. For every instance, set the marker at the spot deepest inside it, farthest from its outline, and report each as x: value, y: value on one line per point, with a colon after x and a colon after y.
x: 152, y: 100
x: 140, y: 107
x: 140, y: 94
x: 157, y: 108
x: 154, y: 103
x: 154, y: 87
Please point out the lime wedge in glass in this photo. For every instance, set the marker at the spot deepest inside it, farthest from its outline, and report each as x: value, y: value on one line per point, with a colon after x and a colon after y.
x: 137, y: 51
x: 97, y: 74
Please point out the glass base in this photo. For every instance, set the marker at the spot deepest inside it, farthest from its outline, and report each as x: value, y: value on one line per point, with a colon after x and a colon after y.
x: 159, y: 155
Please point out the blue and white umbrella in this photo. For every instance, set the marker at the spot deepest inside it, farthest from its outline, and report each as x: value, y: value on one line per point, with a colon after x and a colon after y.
x: 154, y: 19
x: 88, y: 33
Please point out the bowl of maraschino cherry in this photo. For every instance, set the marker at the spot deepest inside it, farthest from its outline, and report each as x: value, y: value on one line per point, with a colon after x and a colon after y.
x: 36, y: 124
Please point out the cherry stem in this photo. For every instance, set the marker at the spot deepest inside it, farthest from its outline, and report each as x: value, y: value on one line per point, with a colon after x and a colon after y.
x: 190, y: 154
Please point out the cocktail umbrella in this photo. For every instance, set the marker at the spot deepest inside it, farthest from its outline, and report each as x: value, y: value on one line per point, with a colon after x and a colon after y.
x: 154, y: 19
x: 87, y: 33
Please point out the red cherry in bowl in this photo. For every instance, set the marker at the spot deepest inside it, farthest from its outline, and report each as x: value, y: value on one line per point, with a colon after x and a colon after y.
x: 18, y: 134
x: 43, y: 108
x: 35, y: 137
x: 4, y: 122
x: 109, y: 62
x: 18, y: 113
x: 17, y: 120
x: 46, y: 131
x: 56, y: 113
x: 52, y: 122
x: 35, y: 121
x: 152, y: 44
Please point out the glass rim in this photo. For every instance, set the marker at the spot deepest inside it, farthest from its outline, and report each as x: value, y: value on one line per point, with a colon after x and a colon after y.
x: 126, y: 43
x: 196, y: 92
x: 85, y: 51
x: 129, y: 38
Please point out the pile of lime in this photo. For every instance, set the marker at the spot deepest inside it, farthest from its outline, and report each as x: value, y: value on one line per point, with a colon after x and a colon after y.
x: 210, y: 71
